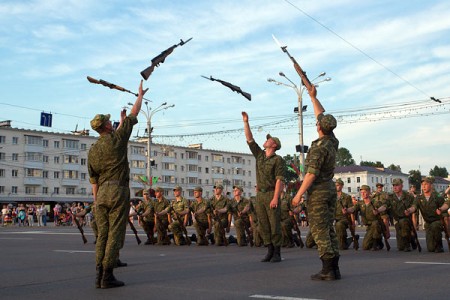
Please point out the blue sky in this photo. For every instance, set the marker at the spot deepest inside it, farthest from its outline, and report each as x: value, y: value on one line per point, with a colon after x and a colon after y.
x: 385, y: 58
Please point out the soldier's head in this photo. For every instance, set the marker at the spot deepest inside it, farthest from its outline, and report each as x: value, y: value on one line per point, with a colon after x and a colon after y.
x: 339, y: 185
x: 198, y: 191
x: 379, y: 187
x: 218, y: 189
x: 177, y: 191
x: 159, y: 192
x: 272, y: 143
x: 326, y: 123
x: 237, y: 191
x: 397, y: 185
x: 102, y: 124
x: 365, y: 191
x: 145, y: 194
x: 427, y: 185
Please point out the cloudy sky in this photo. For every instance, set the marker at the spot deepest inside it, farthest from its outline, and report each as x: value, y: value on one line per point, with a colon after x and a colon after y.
x: 385, y: 60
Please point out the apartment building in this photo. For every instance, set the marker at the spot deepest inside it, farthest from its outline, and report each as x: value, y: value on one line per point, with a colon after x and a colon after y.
x: 40, y: 166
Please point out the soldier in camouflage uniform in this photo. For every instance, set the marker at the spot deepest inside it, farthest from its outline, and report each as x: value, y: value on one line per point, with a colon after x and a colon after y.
x: 201, y: 212
x: 432, y: 206
x: 318, y: 183
x: 179, y: 213
x: 162, y: 209
x: 344, y: 219
x: 286, y: 221
x: 220, y: 207
x: 369, y: 209
x: 146, y: 212
x: 239, y: 208
x: 380, y: 196
x: 257, y: 240
x: 270, y: 169
x: 109, y: 174
x: 401, y: 204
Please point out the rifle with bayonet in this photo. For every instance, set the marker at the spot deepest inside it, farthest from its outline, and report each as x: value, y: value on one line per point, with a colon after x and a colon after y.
x: 351, y: 227
x: 79, y: 228
x: 183, y: 228
x: 297, y: 67
x: 383, y: 228
x: 232, y: 87
x: 112, y: 86
x: 156, y: 61
x: 413, y: 229
x: 134, y: 231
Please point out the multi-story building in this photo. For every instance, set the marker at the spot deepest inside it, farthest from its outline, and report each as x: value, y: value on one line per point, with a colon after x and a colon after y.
x: 40, y: 166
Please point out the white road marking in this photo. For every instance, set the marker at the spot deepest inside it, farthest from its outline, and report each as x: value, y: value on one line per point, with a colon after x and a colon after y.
x: 74, y: 251
x: 279, y: 297
x: 425, y: 263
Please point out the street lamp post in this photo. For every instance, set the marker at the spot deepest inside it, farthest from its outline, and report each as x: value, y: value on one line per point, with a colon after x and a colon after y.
x: 148, y: 113
x: 300, y: 109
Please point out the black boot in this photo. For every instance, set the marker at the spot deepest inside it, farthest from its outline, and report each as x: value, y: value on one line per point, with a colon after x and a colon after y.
x: 98, y: 276
x: 119, y: 264
x: 276, y: 255
x: 327, y: 272
x: 109, y: 281
x: 269, y: 254
x: 337, y: 272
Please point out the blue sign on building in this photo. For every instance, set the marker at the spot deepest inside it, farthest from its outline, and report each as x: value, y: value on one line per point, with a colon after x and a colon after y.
x: 46, y: 119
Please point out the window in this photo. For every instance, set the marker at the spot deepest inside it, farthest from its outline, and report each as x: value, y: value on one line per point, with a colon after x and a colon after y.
x: 2, y: 189
x: 228, y: 160
x: 83, y: 147
x: 14, y: 173
x: 83, y: 191
x: 14, y: 190
x: 170, y: 166
x: 56, y: 191
x: 70, y: 174
x: 56, y: 175
x: 2, y: 139
x: 217, y: 157
x: 199, y: 157
x: 83, y: 176
x: 140, y: 164
x: 15, y: 156
x: 138, y: 150
x: 33, y: 173
x: 192, y: 168
x: 358, y: 179
x: 70, y: 159
x: 207, y: 170
x: 56, y: 159
x: 192, y: 180
x: 2, y: 172
x: 33, y: 156
x: 33, y: 140
x: 70, y: 144
x: 45, y: 143
x: 15, y: 140
x: 70, y: 191
x: 45, y: 158
x: 30, y: 190
x: 56, y: 144
x: 44, y: 174
x: 2, y: 156
x: 169, y: 179
x: 191, y: 155
x: 348, y: 180
x: 45, y: 190
x: 349, y: 189
x: 206, y: 158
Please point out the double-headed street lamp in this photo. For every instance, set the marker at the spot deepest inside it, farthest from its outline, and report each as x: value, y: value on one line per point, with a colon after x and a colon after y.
x: 300, y: 109
x: 148, y: 113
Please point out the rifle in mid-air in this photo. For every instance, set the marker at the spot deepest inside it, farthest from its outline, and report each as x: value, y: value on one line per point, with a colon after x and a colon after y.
x: 112, y: 86
x: 233, y: 87
x: 297, y: 67
x: 413, y: 229
x: 295, y: 225
x: 156, y: 61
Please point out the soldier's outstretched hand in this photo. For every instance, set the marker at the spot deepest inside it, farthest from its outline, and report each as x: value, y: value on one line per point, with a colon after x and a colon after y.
x: 244, y: 116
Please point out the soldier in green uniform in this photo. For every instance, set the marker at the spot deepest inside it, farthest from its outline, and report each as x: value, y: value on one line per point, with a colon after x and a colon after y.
x: 344, y: 219
x: 318, y: 183
x: 286, y: 221
x: 109, y: 174
x: 179, y: 213
x: 369, y: 209
x: 146, y: 213
x: 201, y: 212
x: 432, y: 206
x: 270, y: 169
x: 219, y: 207
x: 257, y: 240
x: 381, y: 196
x: 401, y: 204
x: 162, y: 208
x: 239, y: 208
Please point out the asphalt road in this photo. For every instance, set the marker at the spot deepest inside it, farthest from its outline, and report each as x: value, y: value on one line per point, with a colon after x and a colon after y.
x: 53, y: 263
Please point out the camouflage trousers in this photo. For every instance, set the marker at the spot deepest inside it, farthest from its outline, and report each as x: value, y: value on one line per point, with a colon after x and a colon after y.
x: 309, y: 243
x: 200, y: 227
x: 161, y: 229
x: 240, y: 224
x: 112, y: 207
x: 286, y: 231
x: 175, y: 228
x: 269, y: 219
x: 219, y: 231
x: 403, y: 234
x: 433, y: 234
x: 148, y: 227
x: 321, y: 211
x: 372, y: 236
x: 341, y: 232
x: 257, y: 240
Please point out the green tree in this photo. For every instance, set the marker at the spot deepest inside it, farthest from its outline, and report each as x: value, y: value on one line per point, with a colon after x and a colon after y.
x: 344, y: 158
x: 438, y: 171
x: 395, y: 168
x: 377, y: 164
x: 415, y: 178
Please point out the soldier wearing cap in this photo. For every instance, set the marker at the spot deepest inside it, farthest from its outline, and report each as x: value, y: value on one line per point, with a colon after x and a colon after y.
x: 201, y: 212
x: 109, y: 174
x: 270, y: 169
x: 401, y: 204
x: 162, y: 208
x: 239, y: 208
x: 433, y: 208
x: 344, y: 219
x: 318, y: 183
x: 380, y: 196
x: 220, y: 208
x: 369, y: 210
x: 146, y: 213
x: 179, y: 213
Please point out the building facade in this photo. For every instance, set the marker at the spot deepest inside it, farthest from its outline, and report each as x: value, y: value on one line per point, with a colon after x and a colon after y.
x: 40, y: 166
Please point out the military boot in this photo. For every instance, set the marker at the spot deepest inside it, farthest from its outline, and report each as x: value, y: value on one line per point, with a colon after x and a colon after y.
x: 98, y: 276
x: 276, y: 255
x: 109, y: 281
x: 269, y: 255
x: 327, y: 273
x: 337, y: 272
